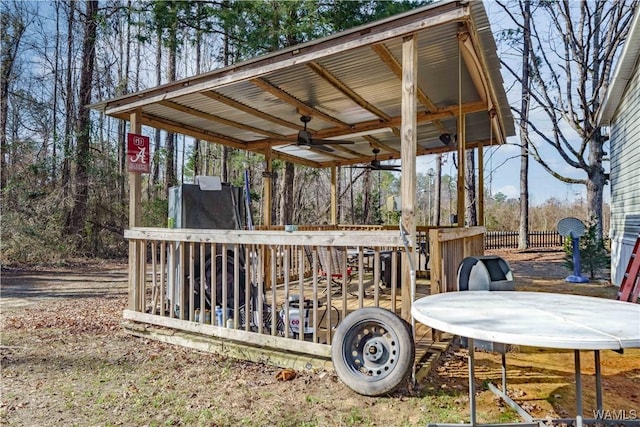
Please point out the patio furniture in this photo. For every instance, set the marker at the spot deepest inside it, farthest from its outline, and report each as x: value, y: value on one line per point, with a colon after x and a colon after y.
x: 334, y: 267
x: 534, y: 319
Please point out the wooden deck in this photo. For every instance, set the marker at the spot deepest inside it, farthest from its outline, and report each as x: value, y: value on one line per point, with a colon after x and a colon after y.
x: 280, y: 270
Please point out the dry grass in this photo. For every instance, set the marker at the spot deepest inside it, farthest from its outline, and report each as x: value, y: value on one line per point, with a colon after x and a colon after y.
x: 65, y: 361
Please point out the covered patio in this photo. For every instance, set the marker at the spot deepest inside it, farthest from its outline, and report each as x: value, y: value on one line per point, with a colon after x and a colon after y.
x: 424, y: 82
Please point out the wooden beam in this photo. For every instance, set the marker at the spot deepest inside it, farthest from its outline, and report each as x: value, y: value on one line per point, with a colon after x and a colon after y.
x: 135, y: 220
x: 408, y: 132
x: 259, y: 237
x: 372, y: 125
x: 388, y: 58
x: 480, y: 185
x: 218, y: 119
x: 172, y: 126
x: 346, y: 90
x: 480, y: 81
x: 375, y: 143
x: 306, y: 109
x: 461, y: 170
x: 250, y: 110
x: 334, y: 196
x: 232, y: 349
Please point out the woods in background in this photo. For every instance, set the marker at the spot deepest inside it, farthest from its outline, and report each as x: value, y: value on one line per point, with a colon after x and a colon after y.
x: 63, y: 171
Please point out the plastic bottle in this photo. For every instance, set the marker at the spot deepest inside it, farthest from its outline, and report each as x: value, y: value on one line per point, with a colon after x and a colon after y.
x: 219, y: 316
x: 230, y: 323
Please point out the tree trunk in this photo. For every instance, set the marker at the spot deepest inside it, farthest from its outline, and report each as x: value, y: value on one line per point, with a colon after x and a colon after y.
x: 286, y: 202
x: 596, y: 183
x: 69, y: 106
x: 10, y: 44
x: 155, y: 170
x: 170, y: 177
x: 78, y: 213
x: 437, y: 198
x: 56, y: 71
x: 470, y: 189
x: 523, y: 232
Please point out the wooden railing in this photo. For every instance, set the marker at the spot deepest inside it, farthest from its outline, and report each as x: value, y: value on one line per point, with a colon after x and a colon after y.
x: 175, y: 274
x: 173, y: 268
x: 448, y: 247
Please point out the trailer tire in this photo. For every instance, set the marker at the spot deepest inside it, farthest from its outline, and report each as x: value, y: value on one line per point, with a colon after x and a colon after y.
x: 373, y: 351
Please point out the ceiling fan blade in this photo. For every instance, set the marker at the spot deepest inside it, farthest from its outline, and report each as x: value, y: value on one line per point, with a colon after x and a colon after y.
x: 390, y: 168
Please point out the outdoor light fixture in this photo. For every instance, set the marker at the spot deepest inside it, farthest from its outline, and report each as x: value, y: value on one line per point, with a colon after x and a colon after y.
x: 445, y: 138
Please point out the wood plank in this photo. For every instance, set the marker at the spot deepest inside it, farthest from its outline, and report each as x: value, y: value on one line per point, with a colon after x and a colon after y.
x: 382, y: 238
x: 448, y: 234
x: 238, y: 335
x: 231, y: 349
x: 408, y: 149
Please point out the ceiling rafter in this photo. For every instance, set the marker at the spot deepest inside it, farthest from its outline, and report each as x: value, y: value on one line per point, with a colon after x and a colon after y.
x: 422, y: 117
x: 172, y: 126
x: 291, y: 159
x: 214, y: 118
x: 351, y: 94
x: 250, y: 110
x: 377, y: 144
x: 388, y: 58
x: 284, y: 96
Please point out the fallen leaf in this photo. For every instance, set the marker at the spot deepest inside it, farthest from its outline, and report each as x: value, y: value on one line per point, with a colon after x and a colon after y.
x: 286, y: 375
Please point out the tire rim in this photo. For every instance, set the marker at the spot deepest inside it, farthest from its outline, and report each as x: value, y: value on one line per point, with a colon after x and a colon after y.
x: 370, y: 350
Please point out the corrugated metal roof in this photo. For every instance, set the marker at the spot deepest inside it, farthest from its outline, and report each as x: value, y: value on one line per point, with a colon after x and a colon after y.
x: 350, y: 84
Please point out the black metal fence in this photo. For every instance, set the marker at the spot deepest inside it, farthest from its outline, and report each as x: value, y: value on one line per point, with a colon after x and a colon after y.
x: 509, y: 239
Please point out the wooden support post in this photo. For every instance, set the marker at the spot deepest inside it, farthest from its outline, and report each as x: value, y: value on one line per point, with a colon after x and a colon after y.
x: 266, y: 209
x: 408, y: 149
x: 461, y: 169
x: 480, y: 184
x: 334, y: 196
x: 135, y: 191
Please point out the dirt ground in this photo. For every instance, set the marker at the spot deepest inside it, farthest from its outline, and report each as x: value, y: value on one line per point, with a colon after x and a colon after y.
x: 66, y: 361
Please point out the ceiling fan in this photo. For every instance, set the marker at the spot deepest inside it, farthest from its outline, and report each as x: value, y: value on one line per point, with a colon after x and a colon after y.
x: 305, y: 140
x: 377, y: 166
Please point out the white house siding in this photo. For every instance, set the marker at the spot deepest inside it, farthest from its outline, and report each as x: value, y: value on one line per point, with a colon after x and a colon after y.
x: 625, y: 177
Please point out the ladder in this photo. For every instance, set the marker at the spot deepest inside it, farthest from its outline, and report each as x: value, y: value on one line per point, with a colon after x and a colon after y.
x: 630, y: 286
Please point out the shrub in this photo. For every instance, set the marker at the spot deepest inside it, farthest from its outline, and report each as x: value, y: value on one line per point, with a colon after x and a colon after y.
x: 593, y: 254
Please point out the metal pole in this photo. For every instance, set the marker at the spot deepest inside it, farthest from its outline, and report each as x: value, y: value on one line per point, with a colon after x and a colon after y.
x: 596, y: 353
x: 576, y: 354
x: 504, y: 370
x: 472, y: 387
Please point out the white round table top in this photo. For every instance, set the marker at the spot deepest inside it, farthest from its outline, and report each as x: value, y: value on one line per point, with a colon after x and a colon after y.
x: 534, y: 319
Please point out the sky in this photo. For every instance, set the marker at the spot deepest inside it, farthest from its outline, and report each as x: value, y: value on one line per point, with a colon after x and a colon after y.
x: 502, y: 164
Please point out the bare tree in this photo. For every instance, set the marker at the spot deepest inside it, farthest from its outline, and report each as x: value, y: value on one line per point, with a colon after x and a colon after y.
x: 12, y: 27
x: 470, y: 189
x: 76, y: 218
x: 523, y: 232
x: 573, y: 45
x: 437, y: 198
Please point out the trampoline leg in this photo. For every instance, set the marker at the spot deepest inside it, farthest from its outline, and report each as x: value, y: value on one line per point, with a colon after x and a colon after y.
x: 576, y: 354
x: 504, y: 372
x: 598, y: 381
x: 472, y: 387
